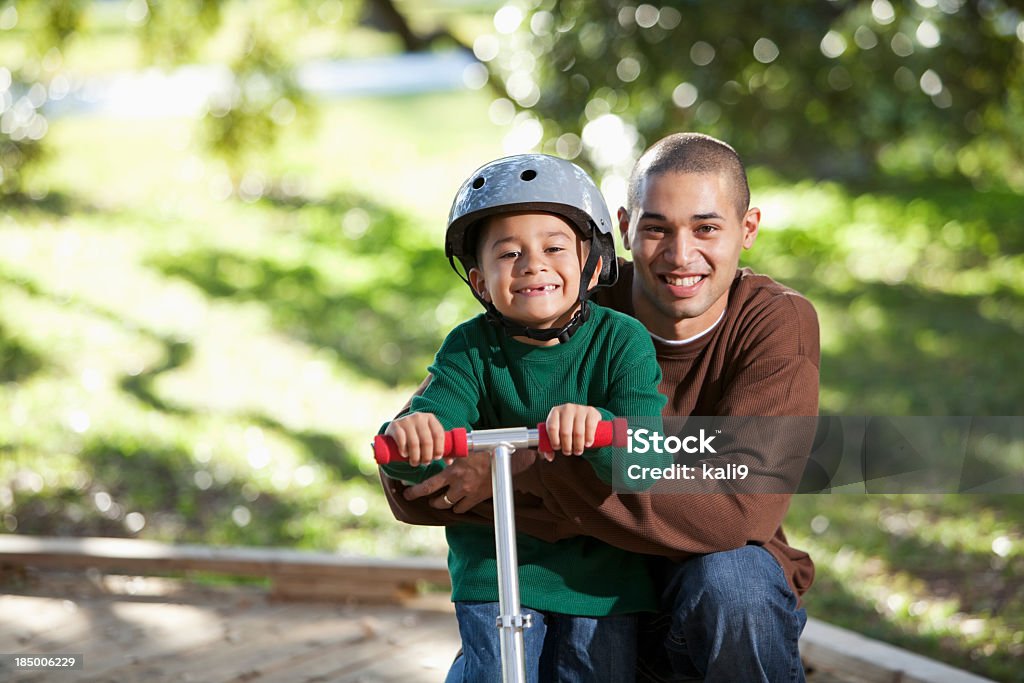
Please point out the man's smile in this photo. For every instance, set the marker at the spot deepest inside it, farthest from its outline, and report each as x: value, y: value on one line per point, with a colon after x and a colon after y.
x: 682, y: 285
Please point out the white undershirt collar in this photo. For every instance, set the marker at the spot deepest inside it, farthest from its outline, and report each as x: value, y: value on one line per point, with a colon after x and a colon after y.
x: 680, y: 342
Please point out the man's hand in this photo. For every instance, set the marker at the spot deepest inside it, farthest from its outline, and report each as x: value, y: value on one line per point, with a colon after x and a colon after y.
x: 465, y: 483
x: 460, y: 486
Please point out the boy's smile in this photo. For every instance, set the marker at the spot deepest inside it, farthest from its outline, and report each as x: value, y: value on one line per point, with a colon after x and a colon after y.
x: 529, y: 268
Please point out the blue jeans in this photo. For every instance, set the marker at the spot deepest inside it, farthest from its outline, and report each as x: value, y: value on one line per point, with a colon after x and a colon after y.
x: 726, y: 617
x: 559, y: 647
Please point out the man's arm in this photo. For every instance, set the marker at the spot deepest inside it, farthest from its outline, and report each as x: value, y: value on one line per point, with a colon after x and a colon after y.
x: 680, y: 524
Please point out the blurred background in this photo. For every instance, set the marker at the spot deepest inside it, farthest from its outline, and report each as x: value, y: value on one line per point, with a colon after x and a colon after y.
x: 221, y: 263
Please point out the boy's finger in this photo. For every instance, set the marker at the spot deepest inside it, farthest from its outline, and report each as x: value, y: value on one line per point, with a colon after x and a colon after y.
x: 402, y: 442
x: 437, y: 434
x: 580, y: 437
x: 593, y: 419
x: 567, y: 436
x: 425, y: 442
x: 553, y: 426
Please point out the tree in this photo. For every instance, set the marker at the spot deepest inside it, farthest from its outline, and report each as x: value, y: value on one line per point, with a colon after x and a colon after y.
x: 835, y: 89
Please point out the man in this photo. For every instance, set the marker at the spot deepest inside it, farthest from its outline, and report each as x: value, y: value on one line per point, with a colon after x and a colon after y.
x: 730, y: 343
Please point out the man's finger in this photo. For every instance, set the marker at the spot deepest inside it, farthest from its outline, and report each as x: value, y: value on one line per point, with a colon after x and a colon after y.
x: 428, y: 487
x: 467, y: 504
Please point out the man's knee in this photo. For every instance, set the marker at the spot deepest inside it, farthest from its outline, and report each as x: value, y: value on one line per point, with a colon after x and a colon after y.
x: 745, y: 584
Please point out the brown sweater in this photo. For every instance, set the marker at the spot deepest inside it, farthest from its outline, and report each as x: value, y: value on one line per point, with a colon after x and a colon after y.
x: 761, y: 359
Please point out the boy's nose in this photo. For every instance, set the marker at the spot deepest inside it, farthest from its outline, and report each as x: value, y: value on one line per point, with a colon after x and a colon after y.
x: 531, y: 263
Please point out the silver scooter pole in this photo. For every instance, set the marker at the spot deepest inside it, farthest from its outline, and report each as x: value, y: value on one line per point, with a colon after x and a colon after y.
x: 502, y: 443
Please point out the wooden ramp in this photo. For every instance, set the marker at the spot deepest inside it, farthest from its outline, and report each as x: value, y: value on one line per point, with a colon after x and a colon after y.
x: 137, y: 629
x: 316, y: 618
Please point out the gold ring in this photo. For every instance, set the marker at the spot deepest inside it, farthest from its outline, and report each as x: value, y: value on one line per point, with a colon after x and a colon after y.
x: 448, y: 500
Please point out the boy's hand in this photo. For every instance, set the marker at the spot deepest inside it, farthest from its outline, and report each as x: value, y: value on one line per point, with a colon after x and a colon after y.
x: 419, y: 437
x: 571, y: 428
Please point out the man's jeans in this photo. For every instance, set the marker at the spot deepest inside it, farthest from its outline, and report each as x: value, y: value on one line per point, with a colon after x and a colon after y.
x: 559, y: 647
x: 728, y: 617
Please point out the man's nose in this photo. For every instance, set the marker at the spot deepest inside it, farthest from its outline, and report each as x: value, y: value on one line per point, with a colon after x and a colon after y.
x: 681, y: 249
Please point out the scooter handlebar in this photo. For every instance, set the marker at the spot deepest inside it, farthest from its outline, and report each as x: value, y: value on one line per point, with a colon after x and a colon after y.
x: 609, y: 433
x: 385, y: 450
x: 456, y: 441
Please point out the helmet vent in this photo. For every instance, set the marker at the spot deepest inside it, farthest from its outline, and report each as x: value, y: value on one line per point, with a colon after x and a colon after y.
x: 478, y: 183
x: 528, y: 175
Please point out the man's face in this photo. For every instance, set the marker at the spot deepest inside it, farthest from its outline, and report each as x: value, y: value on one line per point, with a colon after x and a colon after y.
x: 686, y: 237
x: 530, y: 267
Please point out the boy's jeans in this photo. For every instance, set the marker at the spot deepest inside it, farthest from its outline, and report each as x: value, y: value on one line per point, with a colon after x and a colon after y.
x: 559, y: 647
x: 726, y: 617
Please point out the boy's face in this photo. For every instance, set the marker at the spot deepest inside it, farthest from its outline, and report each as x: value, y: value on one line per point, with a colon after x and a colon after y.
x: 529, y: 268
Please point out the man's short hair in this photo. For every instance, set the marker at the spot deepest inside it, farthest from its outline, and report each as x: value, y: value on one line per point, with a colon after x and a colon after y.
x: 691, y: 153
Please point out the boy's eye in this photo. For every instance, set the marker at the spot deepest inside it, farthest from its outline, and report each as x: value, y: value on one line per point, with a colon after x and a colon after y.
x: 707, y: 229
x: 509, y: 254
x: 555, y: 249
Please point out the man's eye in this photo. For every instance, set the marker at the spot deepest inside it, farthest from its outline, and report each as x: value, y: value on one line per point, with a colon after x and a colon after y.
x: 707, y: 229
x: 654, y: 229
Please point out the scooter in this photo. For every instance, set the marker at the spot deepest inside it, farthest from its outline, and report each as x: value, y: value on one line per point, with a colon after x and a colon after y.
x: 502, y: 443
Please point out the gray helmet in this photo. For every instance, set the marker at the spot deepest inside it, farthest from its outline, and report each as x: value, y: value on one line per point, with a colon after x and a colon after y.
x: 531, y: 182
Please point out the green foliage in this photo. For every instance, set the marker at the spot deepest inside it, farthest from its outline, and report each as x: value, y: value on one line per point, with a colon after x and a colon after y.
x: 918, y: 287
x: 21, y: 129
x: 825, y: 88
x: 53, y: 22
x: 172, y: 31
x: 244, y: 122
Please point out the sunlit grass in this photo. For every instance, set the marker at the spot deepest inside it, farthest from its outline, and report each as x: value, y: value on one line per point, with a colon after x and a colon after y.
x: 940, y: 574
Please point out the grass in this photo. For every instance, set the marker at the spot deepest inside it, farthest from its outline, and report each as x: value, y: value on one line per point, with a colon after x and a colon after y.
x: 182, y: 366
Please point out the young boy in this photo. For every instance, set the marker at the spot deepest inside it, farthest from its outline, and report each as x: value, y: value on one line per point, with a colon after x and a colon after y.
x: 533, y: 235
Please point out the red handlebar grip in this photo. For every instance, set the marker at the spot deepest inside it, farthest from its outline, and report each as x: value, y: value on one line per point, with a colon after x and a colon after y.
x: 609, y: 433
x: 385, y: 450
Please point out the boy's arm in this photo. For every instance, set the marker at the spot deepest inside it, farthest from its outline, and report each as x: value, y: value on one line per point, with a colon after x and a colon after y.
x: 633, y: 394
x: 450, y: 393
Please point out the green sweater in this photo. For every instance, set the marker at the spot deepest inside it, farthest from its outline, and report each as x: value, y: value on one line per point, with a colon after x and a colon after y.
x: 483, y: 379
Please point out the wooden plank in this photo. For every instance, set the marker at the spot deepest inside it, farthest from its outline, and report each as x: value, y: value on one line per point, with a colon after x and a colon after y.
x: 837, y: 650
x: 264, y: 644
x: 134, y: 553
x: 294, y: 574
x: 227, y: 637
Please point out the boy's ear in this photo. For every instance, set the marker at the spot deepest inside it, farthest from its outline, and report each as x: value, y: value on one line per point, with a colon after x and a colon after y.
x: 476, y: 281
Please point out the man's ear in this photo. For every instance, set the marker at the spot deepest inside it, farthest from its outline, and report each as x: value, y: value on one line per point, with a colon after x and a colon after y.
x: 751, y: 221
x: 623, y: 216
x: 476, y: 281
